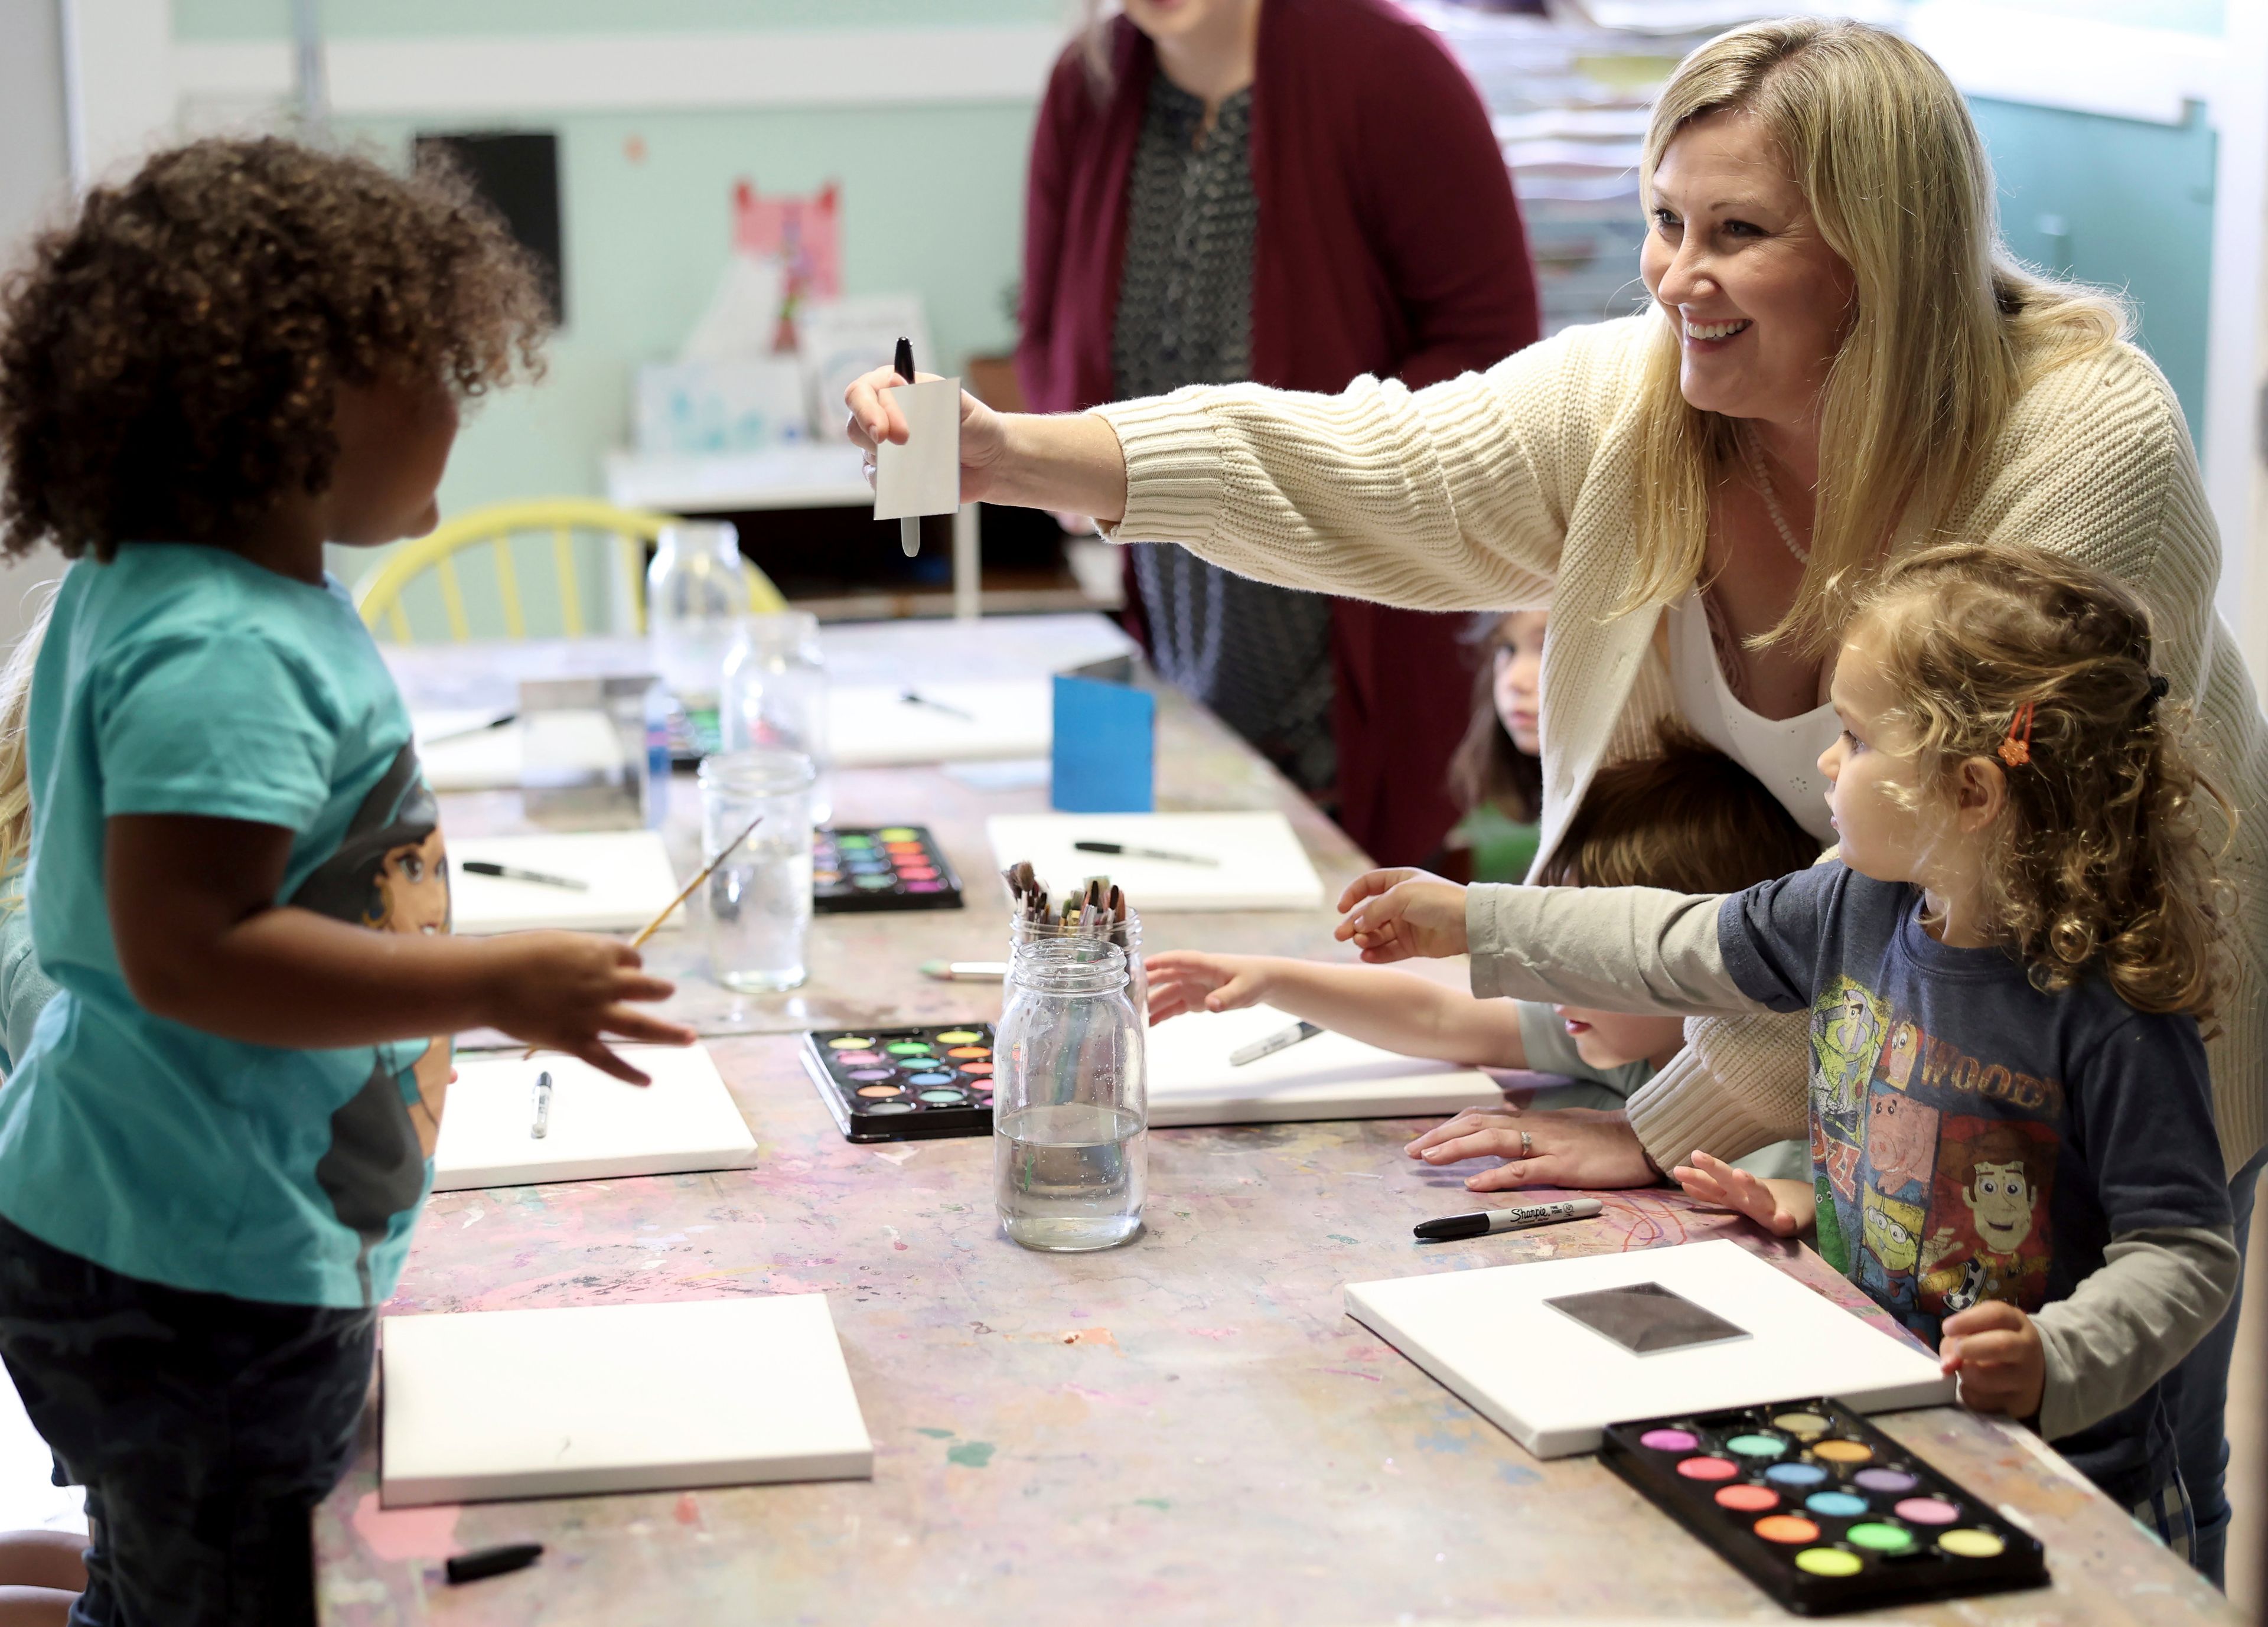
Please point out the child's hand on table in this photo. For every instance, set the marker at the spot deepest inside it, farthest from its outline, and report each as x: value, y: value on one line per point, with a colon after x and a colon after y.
x: 1399, y: 915
x: 1781, y: 1207
x: 1182, y: 980
x: 562, y: 991
x: 1995, y: 1351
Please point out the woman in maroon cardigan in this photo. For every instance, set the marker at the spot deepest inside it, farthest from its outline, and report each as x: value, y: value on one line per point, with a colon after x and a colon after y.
x: 1295, y: 192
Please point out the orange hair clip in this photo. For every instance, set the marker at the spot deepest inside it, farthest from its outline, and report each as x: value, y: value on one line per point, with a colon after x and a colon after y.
x: 2016, y: 750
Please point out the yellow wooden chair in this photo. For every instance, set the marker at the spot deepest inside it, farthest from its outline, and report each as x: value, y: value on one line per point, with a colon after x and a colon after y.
x: 379, y: 594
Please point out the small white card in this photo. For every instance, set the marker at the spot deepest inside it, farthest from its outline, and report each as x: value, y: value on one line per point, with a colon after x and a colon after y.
x: 923, y: 476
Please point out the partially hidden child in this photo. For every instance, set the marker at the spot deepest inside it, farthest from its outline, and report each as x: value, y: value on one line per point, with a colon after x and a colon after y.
x: 215, y: 1144
x: 1686, y: 818
x: 2012, y: 1129
x: 1495, y: 775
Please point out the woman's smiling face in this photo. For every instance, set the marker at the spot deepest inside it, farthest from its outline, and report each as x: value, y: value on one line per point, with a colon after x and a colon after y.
x: 1759, y: 301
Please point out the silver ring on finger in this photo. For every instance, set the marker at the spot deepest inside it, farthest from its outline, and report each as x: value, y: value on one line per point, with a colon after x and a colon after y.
x: 1527, y: 1145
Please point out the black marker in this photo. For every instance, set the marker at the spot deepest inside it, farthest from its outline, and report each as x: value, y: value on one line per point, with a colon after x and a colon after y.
x: 493, y: 1561
x: 513, y: 872
x: 1482, y: 1222
x: 910, y: 527
x: 1124, y: 850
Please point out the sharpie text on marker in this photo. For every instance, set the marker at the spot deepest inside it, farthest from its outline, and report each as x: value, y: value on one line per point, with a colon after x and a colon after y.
x: 1482, y: 1222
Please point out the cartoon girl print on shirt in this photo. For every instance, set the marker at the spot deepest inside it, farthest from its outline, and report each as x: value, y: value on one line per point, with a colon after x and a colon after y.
x: 390, y: 873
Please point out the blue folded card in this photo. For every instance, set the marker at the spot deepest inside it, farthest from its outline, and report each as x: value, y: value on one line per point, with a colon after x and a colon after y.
x: 1105, y: 747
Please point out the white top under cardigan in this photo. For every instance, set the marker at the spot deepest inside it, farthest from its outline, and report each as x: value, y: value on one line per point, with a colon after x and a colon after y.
x: 1516, y: 487
x: 1782, y: 753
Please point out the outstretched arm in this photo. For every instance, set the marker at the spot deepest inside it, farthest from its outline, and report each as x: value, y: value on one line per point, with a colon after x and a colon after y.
x: 1391, y: 1010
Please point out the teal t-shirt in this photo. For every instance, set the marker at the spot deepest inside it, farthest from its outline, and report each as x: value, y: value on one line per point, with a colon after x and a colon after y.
x: 185, y: 679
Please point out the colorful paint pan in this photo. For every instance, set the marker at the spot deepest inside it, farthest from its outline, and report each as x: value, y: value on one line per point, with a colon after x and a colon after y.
x: 892, y: 867
x: 904, y: 1084
x: 1820, y: 1509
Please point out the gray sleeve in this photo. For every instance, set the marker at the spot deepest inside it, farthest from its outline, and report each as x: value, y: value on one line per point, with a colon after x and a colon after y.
x: 2159, y: 1292
x: 1614, y: 948
x: 1550, y: 1048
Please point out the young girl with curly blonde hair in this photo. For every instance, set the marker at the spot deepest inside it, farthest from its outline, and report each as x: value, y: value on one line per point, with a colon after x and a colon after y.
x: 2011, y: 1126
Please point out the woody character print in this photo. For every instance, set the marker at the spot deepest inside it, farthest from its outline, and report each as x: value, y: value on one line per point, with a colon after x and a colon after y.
x: 1933, y: 1169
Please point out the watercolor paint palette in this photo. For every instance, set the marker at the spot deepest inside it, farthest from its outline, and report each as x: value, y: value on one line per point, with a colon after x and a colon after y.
x: 857, y: 868
x: 1820, y: 1509
x: 904, y: 1084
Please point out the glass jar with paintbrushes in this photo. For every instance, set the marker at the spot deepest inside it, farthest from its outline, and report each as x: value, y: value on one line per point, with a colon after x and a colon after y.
x: 1097, y: 910
x: 1070, y: 1103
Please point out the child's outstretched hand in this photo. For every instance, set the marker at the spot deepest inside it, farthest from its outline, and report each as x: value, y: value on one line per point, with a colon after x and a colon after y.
x: 1996, y: 1352
x: 562, y: 991
x: 1399, y: 915
x: 1781, y: 1207
x: 1182, y: 980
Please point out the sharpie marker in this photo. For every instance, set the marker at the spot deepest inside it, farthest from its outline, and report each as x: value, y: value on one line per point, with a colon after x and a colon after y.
x: 541, y: 1127
x: 1282, y: 1039
x: 1483, y: 1222
x: 910, y: 527
x: 513, y: 872
x: 485, y: 1562
x: 1125, y: 851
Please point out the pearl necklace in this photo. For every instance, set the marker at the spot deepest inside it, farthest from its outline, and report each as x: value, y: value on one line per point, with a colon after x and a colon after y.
x: 1754, y: 458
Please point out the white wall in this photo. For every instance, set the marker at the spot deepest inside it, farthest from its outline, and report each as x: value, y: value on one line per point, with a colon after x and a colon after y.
x: 34, y: 187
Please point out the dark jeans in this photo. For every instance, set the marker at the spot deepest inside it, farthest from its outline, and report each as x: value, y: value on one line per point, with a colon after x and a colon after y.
x: 2201, y: 1402
x: 205, y: 1430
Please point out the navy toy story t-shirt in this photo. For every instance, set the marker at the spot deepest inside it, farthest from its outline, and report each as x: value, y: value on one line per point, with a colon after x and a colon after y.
x: 179, y: 680
x: 1973, y: 1138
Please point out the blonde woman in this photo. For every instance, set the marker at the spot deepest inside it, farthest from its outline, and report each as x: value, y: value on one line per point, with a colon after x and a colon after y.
x: 1841, y: 361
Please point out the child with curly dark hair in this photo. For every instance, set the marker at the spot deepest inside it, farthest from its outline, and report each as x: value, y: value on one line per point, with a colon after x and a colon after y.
x: 2012, y: 1129
x: 213, y: 1150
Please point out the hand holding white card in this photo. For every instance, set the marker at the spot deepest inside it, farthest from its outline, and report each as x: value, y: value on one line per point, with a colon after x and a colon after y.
x: 923, y: 476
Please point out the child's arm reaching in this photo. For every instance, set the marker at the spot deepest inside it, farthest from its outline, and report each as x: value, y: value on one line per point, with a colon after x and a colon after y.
x: 202, y: 942
x: 1783, y: 1207
x: 1394, y: 1011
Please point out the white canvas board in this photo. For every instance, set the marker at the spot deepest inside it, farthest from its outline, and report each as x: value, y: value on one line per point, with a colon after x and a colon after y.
x: 1259, y: 863
x: 923, y: 476
x: 598, y: 1128
x: 455, y: 759
x: 1328, y: 1076
x: 874, y: 725
x: 629, y: 873
x: 480, y: 1406
x: 1553, y: 1384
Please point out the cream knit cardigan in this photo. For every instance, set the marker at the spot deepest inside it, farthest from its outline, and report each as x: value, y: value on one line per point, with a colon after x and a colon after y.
x: 1514, y: 488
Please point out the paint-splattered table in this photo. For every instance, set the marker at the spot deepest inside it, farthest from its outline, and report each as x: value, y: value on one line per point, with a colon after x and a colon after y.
x: 1186, y: 1429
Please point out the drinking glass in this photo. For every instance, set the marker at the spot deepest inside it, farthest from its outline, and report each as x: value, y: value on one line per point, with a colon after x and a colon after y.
x: 757, y: 904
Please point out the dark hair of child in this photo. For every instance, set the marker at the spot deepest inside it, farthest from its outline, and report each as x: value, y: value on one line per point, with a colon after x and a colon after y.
x: 169, y: 358
x: 1487, y: 769
x: 1688, y: 819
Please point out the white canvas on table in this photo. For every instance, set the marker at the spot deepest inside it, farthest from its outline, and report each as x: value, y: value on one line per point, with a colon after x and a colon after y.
x: 1553, y: 1384
x: 1259, y: 863
x: 598, y: 1128
x: 628, y: 875
x: 1329, y: 1076
x: 874, y: 725
x: 480, y: 1406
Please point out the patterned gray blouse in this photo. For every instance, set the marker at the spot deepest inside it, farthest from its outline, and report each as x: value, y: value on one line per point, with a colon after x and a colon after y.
x: 1258, y: 655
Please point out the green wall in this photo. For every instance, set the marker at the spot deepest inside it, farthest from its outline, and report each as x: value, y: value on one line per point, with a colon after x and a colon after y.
x: 2134, y: 205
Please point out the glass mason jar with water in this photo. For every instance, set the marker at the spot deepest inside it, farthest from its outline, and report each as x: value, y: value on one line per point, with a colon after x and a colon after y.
x: 1070, y: 1108
x: 697, y: 589
x: 756, y: 907
x: 774, y: 696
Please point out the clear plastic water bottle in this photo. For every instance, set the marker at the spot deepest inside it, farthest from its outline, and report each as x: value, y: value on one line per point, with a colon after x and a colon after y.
x: 697, y: 589
x: 1070, y: 1101
x: 774, y: 696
